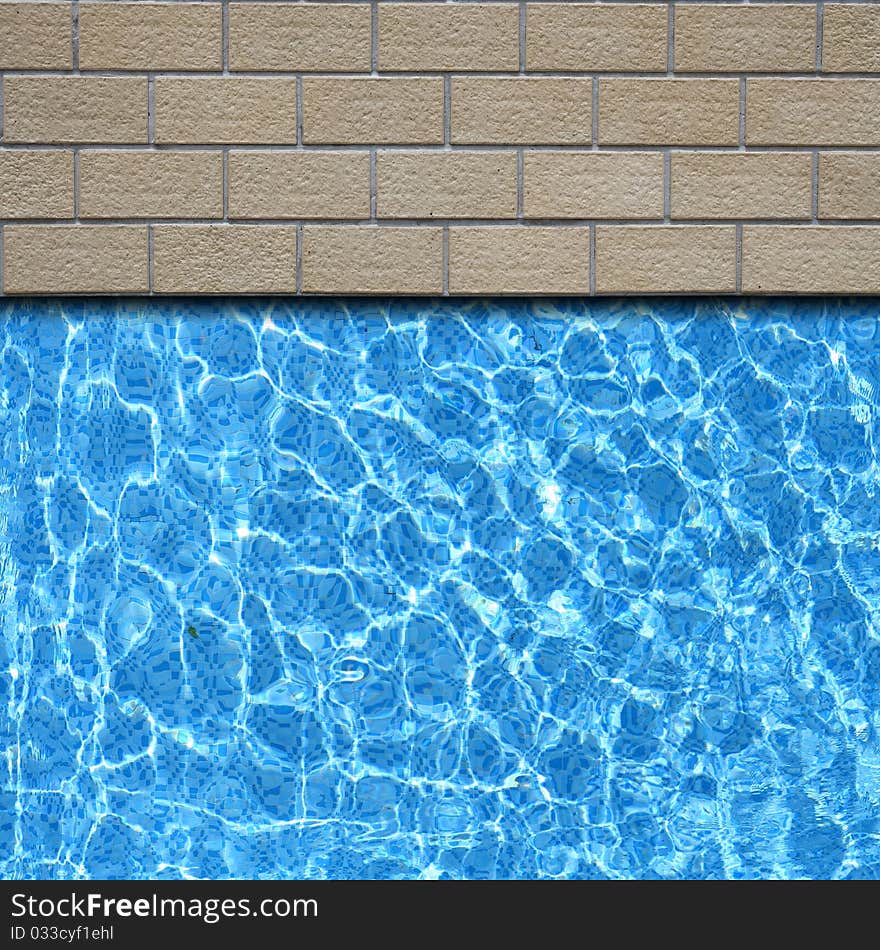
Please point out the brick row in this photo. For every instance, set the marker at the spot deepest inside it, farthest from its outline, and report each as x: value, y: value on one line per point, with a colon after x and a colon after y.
x: 234, y: 259
x: 262, y: 184
x: 410, y: 111
x: 292, y: 37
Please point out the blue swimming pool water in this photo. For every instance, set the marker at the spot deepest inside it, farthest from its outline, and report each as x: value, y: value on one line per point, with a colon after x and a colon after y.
x: 465, y: 590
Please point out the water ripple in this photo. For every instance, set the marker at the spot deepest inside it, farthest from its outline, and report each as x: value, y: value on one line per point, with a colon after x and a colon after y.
x: 467, y: 590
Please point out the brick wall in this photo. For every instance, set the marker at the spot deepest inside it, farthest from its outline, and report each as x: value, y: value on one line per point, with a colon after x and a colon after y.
x: 428, y: 148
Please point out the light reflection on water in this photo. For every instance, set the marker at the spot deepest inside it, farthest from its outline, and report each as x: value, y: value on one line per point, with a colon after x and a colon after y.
x: 400, y: 589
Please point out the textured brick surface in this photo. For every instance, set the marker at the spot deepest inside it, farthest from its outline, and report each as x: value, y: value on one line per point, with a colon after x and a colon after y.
x: 525, y: 111
x: 811, y: 260
x: 70, y: 259
x: 426, y: 147
x: 36, y: 36
x: 849, y: 185
x: 371, y: 260
x: 143, y: 184
x: 742, y: 185
x: 222, y: 259
x: 375, y: 111
x: 583, y: 37
x: 429, y: 36
x: 299, y: 38
x: 851, y: 38
x: 593, y: 185
x: 150, y: 36
x: 499, y: 260
x: 446, y: 185
x: 763, y: 38
x: 36, y: 185
x: 299, y: 184
x: 813, y: 112
x: 665, y: 259
x: 668, y: 111
x: 75, y: 109
x: 236, y: 109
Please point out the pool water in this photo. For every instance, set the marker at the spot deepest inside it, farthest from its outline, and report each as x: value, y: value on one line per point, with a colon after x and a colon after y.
x: 444, y: 590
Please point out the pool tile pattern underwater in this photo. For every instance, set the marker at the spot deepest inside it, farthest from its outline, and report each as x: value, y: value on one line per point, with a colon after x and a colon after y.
x: 396, y: 589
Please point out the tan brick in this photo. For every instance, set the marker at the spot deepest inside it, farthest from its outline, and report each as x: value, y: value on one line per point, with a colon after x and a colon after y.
x: 818, y: 260
x: 150, y: 36
x: 849, y: 185
x: 665, y: 259
x: 36, y: 36
x: 585, y: 37
x: 75, y: 259
x: 438, y: 36
x: 299, y: 184
x: 393, y: 111
x: 593, y: 185
x: 76, y: 109
x: 526, y: 111
x: 371, y: 260
x: 813, y: 112
x: 36, y: 184
x: 762, y: 38
x: 323, y: 37
x: 132, y: 184
x: 741, y: 185
x: 446, y: 184
x: 220, y: 110
x: 851, y: 38
x: 519, y: 260
x: 668, y: 111
x: 224, y: 259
